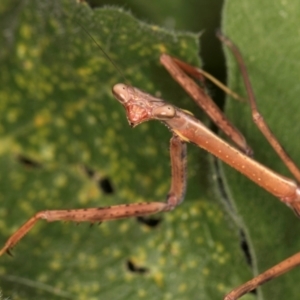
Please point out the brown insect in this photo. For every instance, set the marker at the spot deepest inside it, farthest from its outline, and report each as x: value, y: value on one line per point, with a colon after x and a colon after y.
x: 141, y: 107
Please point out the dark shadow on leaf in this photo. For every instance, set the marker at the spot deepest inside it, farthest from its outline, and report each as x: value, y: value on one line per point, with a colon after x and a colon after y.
x: 28, y: 162
x: 104, y: 183
x: 149, y: 221
x: 132, y: 267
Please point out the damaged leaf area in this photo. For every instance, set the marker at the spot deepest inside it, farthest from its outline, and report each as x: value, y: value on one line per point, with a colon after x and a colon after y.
x: 65, y: 143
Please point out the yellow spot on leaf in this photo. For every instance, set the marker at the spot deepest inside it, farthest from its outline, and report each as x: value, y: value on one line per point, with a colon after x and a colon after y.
x: 124, y: 227
x: 12, y: 115
x: 116, y: 253
x: 159, y: 278
x: 83, y: 72
x: 28, y: 65
x: 55, y: 265
x: 60, y: 180
x: 182, y: 287
x: 141, y: 293
x: 48, y: 152
x: 42, y: 119
x: 26, y: 31
x: 21, y: 50
x: 205, y: 271
x: 161, y: 48
x: 221, y: 287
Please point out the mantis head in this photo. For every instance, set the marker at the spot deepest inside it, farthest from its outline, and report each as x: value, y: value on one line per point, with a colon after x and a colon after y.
x: 140, y: 106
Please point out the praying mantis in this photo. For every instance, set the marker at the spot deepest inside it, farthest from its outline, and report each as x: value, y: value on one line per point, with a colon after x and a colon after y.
x: 133, y: 133
x: 141, y: 107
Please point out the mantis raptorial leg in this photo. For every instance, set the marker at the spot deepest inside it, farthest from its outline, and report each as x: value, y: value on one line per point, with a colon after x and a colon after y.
x: 141, y: 107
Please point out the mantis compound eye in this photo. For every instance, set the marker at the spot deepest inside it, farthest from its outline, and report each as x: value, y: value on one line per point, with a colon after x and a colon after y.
x: 164, y: 112
x: 120, y: 91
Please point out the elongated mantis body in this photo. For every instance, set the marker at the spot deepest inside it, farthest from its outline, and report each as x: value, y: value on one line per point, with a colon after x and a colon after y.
x: 141, y: 107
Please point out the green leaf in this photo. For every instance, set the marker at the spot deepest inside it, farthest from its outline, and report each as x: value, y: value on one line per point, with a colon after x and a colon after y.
x: 268, y: 37
x: 58, y: 118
